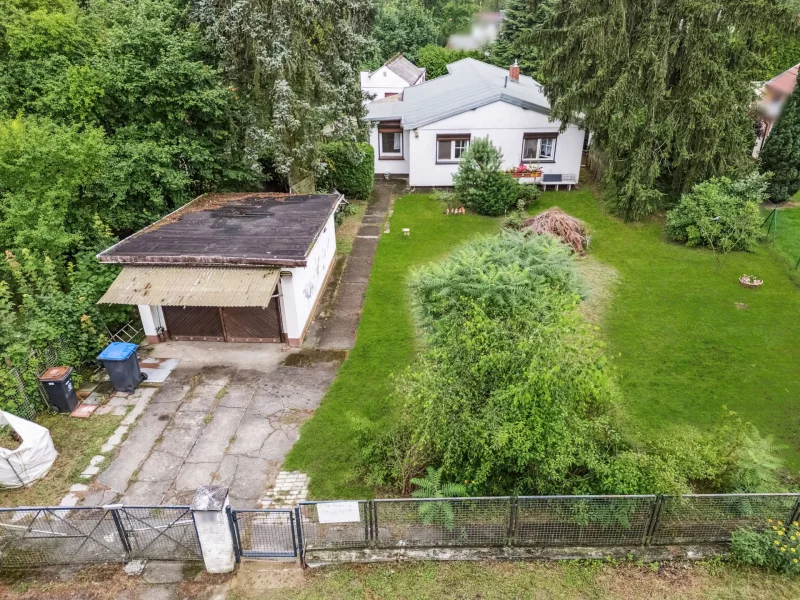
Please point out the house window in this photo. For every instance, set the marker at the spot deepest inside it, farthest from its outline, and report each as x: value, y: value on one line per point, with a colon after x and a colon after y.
x: 450, y: 148
x: 539, y: 147
x: 390, y: 141
x: 390, y: 94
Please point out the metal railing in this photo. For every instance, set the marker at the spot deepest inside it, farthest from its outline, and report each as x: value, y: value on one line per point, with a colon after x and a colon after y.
x: 32, y: 537
x: 545, y: 521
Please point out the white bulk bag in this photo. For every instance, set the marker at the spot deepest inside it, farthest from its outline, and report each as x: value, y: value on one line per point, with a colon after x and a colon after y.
x: 34, y: 457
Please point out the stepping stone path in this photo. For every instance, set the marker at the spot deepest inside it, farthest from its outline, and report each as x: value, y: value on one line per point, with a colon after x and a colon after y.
x: 290, y: 488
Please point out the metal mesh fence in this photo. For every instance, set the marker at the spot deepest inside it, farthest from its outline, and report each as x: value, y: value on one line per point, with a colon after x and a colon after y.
x: 160, y: 532
x: 265, y: 532
x: 582, y: 520
x: 438, y: 522
x: 712, y: 518
x: 318, y: 535
x: 55, y: 536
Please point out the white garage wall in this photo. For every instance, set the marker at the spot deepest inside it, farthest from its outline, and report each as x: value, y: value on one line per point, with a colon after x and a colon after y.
x: 393, y: 167
x: 301, y: 288
x: 505, y: 125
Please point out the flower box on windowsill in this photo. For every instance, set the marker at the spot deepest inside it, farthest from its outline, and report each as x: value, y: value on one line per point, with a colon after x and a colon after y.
x: 527, y: 175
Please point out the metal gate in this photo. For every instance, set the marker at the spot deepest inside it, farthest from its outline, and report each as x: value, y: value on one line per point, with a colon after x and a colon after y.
x: 159, y: 532
x: 265, y: 533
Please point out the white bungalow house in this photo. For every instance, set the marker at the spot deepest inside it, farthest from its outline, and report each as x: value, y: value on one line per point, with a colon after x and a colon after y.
x: 422, y: 133
x: 395, y: 75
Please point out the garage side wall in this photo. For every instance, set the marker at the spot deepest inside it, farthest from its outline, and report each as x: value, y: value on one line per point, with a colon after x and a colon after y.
x: 302, y: 287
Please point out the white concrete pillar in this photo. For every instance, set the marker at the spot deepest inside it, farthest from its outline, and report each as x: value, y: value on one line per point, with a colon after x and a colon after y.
x: 291, y: 323
x: 209, y: 508
x: 152, y: 318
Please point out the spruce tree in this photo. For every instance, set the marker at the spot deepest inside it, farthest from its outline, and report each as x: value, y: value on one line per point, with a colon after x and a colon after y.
x: 781, y: 152
x: 514, y: 42
x: 664, y: 87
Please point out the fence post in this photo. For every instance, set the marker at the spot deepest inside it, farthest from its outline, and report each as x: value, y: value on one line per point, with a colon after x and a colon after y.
x: 114, y: 510
x: 513, y: 517
x: 299, y: 527
x: 209, y: 509
x: 234, y: 532
x: 795, y: 511
x: 374, y: 519
x: 655, y: 514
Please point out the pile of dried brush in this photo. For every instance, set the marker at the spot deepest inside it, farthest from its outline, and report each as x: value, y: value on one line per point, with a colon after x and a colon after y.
x: 568, y: 229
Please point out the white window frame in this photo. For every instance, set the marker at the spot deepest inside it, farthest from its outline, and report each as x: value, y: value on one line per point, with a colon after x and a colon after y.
x: 391, y: 155
x: 457, y: 138
x: 538, y: 157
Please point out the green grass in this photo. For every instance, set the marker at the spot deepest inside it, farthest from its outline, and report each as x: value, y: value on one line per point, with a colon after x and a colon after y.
x: 504, y: 580
x: 787, y: 237
x: 682, y: 347
x: 384, y: 346
x: 76, y: 441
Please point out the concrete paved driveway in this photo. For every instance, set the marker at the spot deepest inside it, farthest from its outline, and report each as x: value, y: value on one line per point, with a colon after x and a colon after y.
x: 228, y: 414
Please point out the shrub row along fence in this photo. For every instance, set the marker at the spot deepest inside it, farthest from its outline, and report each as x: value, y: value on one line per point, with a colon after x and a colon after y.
x: 542, y: 521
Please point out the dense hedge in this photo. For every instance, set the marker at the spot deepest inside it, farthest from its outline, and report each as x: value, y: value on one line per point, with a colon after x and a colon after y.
x: 351, y: 169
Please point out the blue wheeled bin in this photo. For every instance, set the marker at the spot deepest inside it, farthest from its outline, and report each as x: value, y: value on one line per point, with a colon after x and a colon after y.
x: 119, y: 359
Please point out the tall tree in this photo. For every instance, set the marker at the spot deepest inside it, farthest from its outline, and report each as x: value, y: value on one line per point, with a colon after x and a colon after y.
x: 515, y: 40
x: 664, y: 87
x: 404, y: 26
x: 781, y: 152
x: 296, y: 65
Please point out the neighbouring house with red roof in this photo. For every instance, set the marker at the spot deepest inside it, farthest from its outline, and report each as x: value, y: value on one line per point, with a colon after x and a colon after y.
x: 773, y: 94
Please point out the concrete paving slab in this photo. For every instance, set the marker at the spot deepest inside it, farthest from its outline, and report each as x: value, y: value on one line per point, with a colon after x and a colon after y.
x: 246, y: 377
x: 171, y: 392
x: 179, y: 441
x: 157, y: 370
x: 145, y: 493
x: 218, y: 374
x: 237, y: 395
x: 159, y: 466
x: 193, y: 475
x: 278, y: 444
x: 252, y: 474
x: 202, y: 398
x: 214, y: 439
x: 265, y: 403
x: 188, y: 419
x: 253, y: 431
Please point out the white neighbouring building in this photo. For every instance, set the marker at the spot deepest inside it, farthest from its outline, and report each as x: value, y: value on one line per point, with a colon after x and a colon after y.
x: 246, y: 267
x: 390, y: 79
x: 423, y: 132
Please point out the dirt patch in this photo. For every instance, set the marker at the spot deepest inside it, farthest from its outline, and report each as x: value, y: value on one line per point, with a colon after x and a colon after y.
x: 307, y: 358
x: 742, y: 306
x: 600, y: 280
x: 9, y: 439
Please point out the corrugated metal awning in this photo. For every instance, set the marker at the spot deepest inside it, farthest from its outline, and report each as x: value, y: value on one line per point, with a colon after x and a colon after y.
x: 178, y: 286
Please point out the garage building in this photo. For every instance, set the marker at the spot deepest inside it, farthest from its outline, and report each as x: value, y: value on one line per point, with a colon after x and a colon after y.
x: 248, y: 267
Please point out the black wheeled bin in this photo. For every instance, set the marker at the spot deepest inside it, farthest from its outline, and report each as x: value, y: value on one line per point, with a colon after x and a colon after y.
x: 57, y: 382
x: 119, y: 359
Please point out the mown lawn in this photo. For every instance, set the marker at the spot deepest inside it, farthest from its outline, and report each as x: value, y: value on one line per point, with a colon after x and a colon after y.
x: 687, y: 338
x: 504, y: 580
x: 787, y: 237
x: 385, y: 345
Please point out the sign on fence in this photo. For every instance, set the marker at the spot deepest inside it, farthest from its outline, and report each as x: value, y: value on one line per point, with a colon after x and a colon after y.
x: 338, y: 512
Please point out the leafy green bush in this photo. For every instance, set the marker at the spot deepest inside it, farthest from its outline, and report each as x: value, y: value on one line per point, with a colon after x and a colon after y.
x: 720, y: 213
x: 500, y: 272
x: 350, y: 169
x: 481, y: 184
x: 435, y: 59
x: 432, y: 486
x: 777, y: 547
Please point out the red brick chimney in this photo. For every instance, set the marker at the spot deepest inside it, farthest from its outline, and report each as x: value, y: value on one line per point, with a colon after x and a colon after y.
x: 513, y: 72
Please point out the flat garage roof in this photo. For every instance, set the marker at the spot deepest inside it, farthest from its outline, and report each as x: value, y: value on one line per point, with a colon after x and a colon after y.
x: 231, y: 229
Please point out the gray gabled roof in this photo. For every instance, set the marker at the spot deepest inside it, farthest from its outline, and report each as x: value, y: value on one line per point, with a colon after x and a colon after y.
x: 469, y: 84
x: 402, y: 67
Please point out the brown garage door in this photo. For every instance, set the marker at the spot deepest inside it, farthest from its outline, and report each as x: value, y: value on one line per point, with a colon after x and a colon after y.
x: 194, y: 323
x: 253, y: 324
x: 239, y: 324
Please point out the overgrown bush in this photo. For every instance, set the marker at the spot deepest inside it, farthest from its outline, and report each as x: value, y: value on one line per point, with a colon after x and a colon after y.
x: 777, y: 547
x: 720, y: 213
x: 512, y: 391
x: 350, y: 169
x: 482, y: 185
x: 500, y: 272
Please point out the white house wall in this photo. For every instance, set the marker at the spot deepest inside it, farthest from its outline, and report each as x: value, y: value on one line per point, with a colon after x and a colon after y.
x: 505, y: 125
x: 301, y: 288
x: 393, y: 167
x: 383, y: 81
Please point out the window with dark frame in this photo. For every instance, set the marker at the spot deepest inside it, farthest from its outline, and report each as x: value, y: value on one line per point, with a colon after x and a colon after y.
x: 390, y: 140
x: 451, y: 147
x: 539, y: 147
